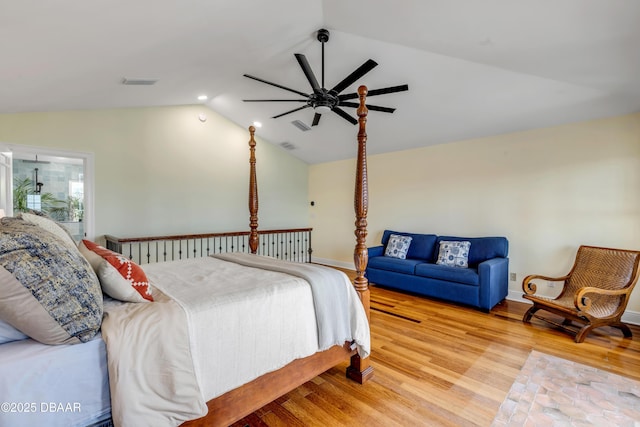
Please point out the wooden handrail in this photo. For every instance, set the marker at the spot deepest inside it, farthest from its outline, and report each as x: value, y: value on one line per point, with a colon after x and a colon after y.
x: 200, y: 236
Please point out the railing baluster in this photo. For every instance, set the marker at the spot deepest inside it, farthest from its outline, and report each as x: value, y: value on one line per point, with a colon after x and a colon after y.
x: 293, y: 245
x: 297, y: 250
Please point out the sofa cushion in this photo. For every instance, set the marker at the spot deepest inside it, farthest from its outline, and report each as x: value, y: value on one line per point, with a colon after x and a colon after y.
x: 454, y: 253
x: 398, y: 265
x: 422, y: 245
x: 468, y: 276
x: 398, y: 246
x: 482, y: 248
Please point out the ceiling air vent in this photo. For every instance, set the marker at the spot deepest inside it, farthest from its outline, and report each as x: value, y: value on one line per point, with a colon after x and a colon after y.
x: 139, y: 82
x: 287, y: 146
x: 300, y: 125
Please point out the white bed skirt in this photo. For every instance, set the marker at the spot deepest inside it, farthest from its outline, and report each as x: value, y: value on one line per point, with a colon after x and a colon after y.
x: 53, y: 385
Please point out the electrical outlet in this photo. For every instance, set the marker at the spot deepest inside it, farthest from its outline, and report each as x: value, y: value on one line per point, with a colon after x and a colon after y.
x: 551, y: 284
x: 512, y: 277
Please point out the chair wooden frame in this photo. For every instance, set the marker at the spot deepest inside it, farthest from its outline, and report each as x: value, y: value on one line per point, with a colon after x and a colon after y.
x: 595, y: 292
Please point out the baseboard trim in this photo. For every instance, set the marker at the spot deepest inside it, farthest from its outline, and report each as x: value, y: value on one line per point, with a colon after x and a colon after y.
x: 334, y: 263
x: 517, y: 296
x: 631, y: 317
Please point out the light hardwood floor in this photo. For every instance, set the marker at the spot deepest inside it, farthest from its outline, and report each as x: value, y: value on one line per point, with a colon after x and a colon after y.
x: 440, y: 364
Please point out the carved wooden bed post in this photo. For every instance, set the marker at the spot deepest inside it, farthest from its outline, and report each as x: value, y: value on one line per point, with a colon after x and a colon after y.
x: 360, y: 370
x: 253, y: 194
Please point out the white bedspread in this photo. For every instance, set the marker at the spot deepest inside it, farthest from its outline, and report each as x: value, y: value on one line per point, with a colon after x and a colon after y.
x: 339, y: 315
x: 215, y: 325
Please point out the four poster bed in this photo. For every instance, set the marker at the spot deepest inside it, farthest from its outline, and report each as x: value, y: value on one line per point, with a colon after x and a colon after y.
x: 244, y: 400
x: 186, y: 354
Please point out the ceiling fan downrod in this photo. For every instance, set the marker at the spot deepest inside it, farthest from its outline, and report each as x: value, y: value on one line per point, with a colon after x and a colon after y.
x: 323, y: 37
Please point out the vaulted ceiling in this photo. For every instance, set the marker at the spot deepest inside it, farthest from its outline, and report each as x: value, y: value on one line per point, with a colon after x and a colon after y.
x: 474, y: 68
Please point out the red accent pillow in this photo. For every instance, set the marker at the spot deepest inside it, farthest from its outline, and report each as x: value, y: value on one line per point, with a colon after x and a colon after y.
x: 118, y: 275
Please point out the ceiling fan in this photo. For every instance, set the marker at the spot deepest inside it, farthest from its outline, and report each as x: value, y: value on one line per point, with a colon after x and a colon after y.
x: 324, y: 100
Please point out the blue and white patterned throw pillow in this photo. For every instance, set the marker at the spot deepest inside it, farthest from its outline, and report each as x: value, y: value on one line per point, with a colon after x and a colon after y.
x: 454, y: 254
x: 48, y: 290
x: 397, y: 246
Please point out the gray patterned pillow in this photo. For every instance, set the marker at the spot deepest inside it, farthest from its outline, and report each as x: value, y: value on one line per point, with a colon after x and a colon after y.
x: 51, y: 226
x: 47, y: 290
x: 454, y: 254
x: 397, y: 246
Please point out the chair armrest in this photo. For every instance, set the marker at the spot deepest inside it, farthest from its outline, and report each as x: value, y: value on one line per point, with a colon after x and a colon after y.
x: 583, y: 303
x: 375, y: 251
x: 530, y: 288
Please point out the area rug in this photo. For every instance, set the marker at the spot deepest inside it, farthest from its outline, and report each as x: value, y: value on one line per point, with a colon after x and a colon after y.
x: 550, y: 391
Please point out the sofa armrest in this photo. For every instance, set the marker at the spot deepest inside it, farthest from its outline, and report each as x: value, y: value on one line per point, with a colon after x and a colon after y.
x: 375, y: 251
x: 494, y: 281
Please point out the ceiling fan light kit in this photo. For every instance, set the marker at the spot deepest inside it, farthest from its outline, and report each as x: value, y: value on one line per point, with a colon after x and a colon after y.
x: 324, y: 100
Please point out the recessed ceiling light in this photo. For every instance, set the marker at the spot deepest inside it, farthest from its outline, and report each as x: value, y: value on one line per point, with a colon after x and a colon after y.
x: 257, y: 124
x: 202, y: 98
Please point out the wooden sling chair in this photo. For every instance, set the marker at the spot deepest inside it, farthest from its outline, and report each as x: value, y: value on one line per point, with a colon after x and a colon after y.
x: 595, y: 292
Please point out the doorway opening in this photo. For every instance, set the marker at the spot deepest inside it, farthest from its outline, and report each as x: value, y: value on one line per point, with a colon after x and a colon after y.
x: 56, y: 183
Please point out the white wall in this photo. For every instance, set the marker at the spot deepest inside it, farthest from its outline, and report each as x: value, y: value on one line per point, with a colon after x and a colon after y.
x: 162, y: 171
x: 546, y: 190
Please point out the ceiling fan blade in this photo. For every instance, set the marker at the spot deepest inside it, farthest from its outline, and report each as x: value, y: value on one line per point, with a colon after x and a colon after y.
x: 306, y: 69
x: 345, y: 115
x: 289, y: 112
x: 277, y: 85
x: 316, y: 119
x: 274, y: 100
x: 351, y: 78
x: 386, y: 90
x: 374, y: 92
x: 370, y: 107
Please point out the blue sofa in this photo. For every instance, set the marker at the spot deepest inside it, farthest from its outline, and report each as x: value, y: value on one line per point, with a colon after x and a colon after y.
x: 482, y: 285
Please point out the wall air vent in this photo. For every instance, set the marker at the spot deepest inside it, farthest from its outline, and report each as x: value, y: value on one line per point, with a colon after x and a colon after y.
x: 301, y: 125
x: 139, y: 82
x: 287, y: 146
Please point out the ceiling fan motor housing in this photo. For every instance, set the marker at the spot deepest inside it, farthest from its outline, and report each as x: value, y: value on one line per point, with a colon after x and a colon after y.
x: 324, y: 98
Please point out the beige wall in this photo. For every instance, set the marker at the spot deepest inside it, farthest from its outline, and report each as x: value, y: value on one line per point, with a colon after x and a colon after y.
x: 163, y: 171
x: 546, y: 190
